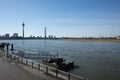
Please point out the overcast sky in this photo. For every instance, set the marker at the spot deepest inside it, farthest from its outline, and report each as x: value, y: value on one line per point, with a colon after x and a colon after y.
x: 72, y: 18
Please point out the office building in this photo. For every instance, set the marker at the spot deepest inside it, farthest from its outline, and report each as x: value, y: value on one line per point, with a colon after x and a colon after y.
x: 15, y: 35
x: 7, y: 35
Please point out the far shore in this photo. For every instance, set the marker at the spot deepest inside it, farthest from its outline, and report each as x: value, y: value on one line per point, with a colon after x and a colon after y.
x: 93, y: 40
x: 69, y: 39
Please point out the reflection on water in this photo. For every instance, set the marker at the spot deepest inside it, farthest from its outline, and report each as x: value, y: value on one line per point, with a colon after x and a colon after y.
x: 45, y: 45
x: 94, y: 60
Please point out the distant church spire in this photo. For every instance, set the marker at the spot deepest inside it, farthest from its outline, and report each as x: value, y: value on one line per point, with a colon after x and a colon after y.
x: 23, y: 24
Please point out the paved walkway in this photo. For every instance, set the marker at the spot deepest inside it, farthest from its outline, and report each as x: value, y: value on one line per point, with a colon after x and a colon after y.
x: 11, y: 70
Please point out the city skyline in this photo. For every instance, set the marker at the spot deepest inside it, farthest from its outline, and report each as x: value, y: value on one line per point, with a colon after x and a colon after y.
x: 62, y: 18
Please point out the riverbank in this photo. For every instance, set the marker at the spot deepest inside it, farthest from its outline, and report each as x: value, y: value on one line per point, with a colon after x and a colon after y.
x: 12, y: 70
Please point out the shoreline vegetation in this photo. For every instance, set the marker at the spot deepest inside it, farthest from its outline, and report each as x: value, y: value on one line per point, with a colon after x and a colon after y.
x: 69, y: 39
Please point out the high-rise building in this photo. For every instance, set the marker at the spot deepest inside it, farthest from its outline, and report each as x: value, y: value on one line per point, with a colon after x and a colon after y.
x: 7, y: 35
x: 23, y: 24
x: 15, y: 35
x: 45, y: 32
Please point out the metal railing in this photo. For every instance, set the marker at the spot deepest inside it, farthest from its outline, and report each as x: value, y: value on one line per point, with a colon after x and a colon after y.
x: 41, y: 67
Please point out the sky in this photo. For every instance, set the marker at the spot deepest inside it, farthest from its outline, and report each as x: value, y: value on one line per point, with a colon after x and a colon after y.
x: 62, y: 18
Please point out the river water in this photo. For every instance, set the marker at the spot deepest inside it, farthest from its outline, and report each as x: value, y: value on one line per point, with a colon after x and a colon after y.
x: 94, y: 60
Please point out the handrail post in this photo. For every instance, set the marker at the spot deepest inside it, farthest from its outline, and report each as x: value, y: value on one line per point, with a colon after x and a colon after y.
x: 14, y: 58
x: 18, y: 59
x: 68, y: 76
x: 22, y: 60
x: 56, y: 73
x: 4, y: 53
x: 7, y: 50
x: 39, y: 67
x: 46, y: 69
x: 26, y: 62
x: 32, y: 64
x: 10, y: 56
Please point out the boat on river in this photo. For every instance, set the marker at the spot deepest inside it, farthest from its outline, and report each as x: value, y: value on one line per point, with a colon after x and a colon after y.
x: 59, y: 63
x: 2, y: 45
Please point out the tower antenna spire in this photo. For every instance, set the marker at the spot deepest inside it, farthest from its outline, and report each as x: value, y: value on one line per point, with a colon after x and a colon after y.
x: 45, y: 33
x: 23, y: 24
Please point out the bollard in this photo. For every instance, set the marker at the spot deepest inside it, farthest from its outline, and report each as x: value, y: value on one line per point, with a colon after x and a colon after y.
x: 7, y: 47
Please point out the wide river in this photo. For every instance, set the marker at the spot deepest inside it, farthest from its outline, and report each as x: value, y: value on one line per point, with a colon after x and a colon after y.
x: 94, y: 60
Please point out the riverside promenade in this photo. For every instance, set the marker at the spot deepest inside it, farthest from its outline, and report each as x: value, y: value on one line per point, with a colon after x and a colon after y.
x: 12, y: 70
